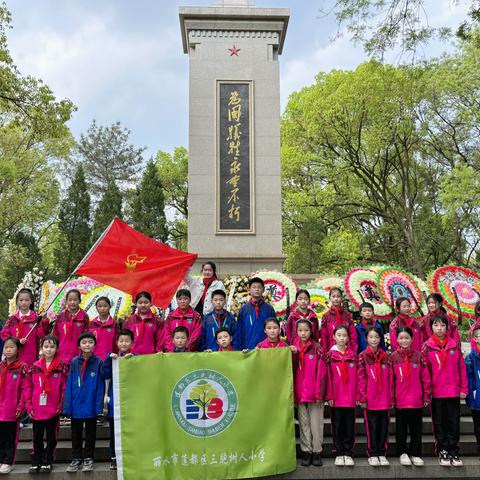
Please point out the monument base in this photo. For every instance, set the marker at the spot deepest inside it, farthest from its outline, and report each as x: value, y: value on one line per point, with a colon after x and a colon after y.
x: 241, y: 266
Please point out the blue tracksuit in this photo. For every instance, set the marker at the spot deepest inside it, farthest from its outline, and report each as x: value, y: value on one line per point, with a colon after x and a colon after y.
x: 250, y: 332
x: 84, y: 397
x: 212, y: 322
x: 472, y: 360
x: 362, y: 341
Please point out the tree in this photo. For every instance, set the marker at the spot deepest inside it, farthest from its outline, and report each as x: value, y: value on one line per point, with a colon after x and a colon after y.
x: 202, y: 395
x: 148, y: 205
x: 110, y: 206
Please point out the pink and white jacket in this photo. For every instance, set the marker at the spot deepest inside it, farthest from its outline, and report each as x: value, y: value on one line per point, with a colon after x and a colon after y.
x: 267, y: 344
x: 375, y: 383
x: 45, y: 389
x: 411, y: 378
x: 309, y: 372
x: 106, y: 335
x: 13, y: 380
x: 67, y: 329
x: 448, y: 374
x: 330, y: 321
x: 414, y: 324
x: 294, y: 317
x: 341, y: 377
x: 147, y: 333
x: 190, y: 319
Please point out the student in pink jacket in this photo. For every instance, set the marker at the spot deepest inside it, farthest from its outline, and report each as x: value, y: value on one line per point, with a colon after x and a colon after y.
x: 309, y: 373
x: 302, y: 312
x: 404, y: 319
x: 13, y: 379
x: 337, y: 315
x: 448, y: 377
x: 183, y: 316
x: 475, y: 325
x: 375, y: 395
x: 105, y: 329
x: 272, y: 332
x: 341, y: 394
x: 436, y: 309
x: 146, y: 327
x: 411, y: 381
x: 69, y: 325
x: 44, y: 401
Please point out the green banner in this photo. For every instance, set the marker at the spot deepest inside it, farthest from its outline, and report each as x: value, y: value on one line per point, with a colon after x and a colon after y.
x: 204, y: 415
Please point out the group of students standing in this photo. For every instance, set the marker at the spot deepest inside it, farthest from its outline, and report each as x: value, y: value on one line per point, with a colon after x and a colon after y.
x: 335, y: 362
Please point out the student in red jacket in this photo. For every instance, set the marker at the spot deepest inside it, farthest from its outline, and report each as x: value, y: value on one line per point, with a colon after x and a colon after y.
x: 272, y: 331
x: 309, y: 374
x: 436, y: 309
x: 44, y: 401
x: 404, y: 319
x: 105, y: 328
x: 448, y: 377
x: 411, y: 382
x: 302, y: 312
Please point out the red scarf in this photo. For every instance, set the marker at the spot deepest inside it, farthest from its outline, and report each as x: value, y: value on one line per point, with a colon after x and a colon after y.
x: 368, y: 325
x: 21, y: 322
x: 407, y: 320
x: 343, y: 366
x: 3, y: 376
x: 228, y: 349
x: 207, y: 282
x: 257, y: 306
x: 47, y: 371
x: 378, y: 356
x: 183, y: 316
x: 338, y: 314
x: 406, y: 353
x: 274, y: 344
x: 442, y: 344
x: 301, y: 352
x: 84, y: 367
x: 70, y: 319
x: 219, y: 318
x: 142, y: 324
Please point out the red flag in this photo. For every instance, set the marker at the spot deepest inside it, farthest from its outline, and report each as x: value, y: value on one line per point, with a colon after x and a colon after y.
x: 130, y: 261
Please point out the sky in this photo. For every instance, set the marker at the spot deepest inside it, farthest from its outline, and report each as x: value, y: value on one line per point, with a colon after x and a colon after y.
x: 122, y: 60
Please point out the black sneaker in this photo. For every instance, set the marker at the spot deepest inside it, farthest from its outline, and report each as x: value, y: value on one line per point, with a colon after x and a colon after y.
x: 317, y: 460
x: 306, y: 459
x: 46, y: 468
x: 113, y: 464
x: 74, y: 465
x: 34, y: 469
x: 444, y: 459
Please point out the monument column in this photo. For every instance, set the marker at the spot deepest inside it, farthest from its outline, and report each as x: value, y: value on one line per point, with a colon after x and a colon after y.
x: 234, y: 197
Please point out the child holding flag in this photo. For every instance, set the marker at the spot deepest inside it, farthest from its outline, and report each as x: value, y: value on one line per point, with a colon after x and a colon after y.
x: 224, y: 340
x: 272, y: 332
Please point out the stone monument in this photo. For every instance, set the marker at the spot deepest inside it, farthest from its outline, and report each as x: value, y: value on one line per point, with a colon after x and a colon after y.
x: 234, y: 196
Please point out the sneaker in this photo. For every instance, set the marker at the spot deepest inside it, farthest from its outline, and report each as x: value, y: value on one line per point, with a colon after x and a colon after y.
x: 444, y: 459
x: 373, y: 461
x: 405, y: 459
x: 383, y: 461
x: 455, y: 461
x: 317, y: 460
x: 5, y: 468
x: 46, y: 468
x: 87, y: 465
x: 34, y: 469
x: 306, y: 459
x: 349, y: 461
x: 417, y: 461
x: 340, y: 461
x: 74, y: 465
x: 113, y: 464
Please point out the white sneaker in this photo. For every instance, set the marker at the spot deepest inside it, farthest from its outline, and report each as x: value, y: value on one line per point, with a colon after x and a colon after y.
x: 373, y: 461
x: 383, y: 461
x: 456, y: 462
x: 405, y: 459
x: 5, y: 468
x: 349, y: 461
x: 340, y: 461
x: 417, y: 461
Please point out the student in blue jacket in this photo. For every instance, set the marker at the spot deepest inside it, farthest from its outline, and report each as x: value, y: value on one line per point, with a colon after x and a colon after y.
x: 367, y: 316
x: 84, y: 401
x: 216, y: 319
x: 473, y: 373
x: 251, y: 317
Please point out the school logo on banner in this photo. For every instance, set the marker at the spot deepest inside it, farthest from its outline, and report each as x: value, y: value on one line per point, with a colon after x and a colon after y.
x: 204, y: 403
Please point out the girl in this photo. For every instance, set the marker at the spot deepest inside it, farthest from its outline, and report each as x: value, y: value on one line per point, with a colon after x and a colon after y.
x: 69, y: 325
x: 146, y: 327
x: 44, y: 401
x: 436, y: 309
x: 105, y: 328
x: 337, y: 315
x: 448, y: 378
x: 475, y: 325
x: 375, y: 396
x: 309, y: 373
x: 302, y: 312
x: 411, y: 382
x: 13, y: 379
x: 21, y: 323
x: 404, y: 319
x: 341, y: 394
x: 272, y: 331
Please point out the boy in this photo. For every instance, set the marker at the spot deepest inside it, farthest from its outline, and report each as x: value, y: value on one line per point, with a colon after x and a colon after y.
x: 183, y: 316
x: 217, y: 319
x: 367, y: 321
x: 251, y: 318
x: 84, y: 401
x: 473, y: 374
x: 124, y: 345
x: 180, y: 339
x: 224, y: 339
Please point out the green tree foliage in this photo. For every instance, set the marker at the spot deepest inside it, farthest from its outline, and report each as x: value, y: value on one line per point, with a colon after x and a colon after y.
x: 202, y: 395
x: 109, y: 207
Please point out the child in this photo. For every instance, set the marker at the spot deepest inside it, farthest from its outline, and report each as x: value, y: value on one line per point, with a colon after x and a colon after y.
x: 21, y: 323
x: 44, y: 401
x: 13, y: 380
x: 105, y: 329
x: 404, y: 319
x: 84, y: 401
x: 337, y: 315
x: 436, y: 309
x: 252, y: 316
x: 309, y: 373
x: 341, y: 394
x: 146, y: 327
x: 449, y: 382
x: 367, y: 321
x: 475, y: 325
x: 69, y: 325
x: 411, y: 382
x: 302, y: 312
x: 124, y: 349
x: 180, y: 339
x: 473, y: 374
x: 216, y: 319
x: 272, y: 331
x: 375, y: 396
x: 224, y: 340
x: 184, y: 316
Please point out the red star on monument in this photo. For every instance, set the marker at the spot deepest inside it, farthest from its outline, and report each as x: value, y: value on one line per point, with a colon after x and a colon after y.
x: 234, y: 51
